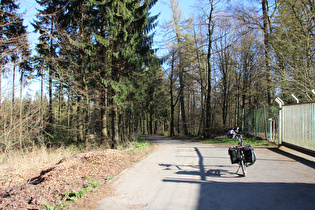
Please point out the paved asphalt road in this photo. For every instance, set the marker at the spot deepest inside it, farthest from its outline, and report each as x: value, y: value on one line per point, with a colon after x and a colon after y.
x: 185, y: 175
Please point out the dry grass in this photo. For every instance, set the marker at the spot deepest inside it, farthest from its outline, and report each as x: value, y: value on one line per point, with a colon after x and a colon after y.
x: 44, y: 176
x: 17, y: 167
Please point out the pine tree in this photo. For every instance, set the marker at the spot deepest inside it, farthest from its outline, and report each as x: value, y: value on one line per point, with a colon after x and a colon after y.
x: 47, y: 48
x: 14, y: 50
x: 74, y: 39
x: 13, y: 40
x: 121, y: 34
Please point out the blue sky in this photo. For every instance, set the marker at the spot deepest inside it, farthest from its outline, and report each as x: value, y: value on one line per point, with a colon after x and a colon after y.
x: 29, y: 8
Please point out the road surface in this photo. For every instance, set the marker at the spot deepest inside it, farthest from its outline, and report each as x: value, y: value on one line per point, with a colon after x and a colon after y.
x: 187, y: 175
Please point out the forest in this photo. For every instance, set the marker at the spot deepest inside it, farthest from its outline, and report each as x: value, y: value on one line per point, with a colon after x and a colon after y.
x: 104, y: 83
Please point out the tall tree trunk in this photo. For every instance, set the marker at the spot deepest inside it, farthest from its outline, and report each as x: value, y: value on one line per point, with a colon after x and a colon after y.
x: 178, y: 121
x: 83, y: 103
x: 13, y: 83
x: 115, y: 127
x: 50, y: 76
x: 69, y: 114
x: 172, y: 125
x: 209, y: 70
x: 151, y: 121
x: 80, y: 126
x: 104, y: 90
x: 104, y: 132
x: 202, y: 118
x: 50, y: 109
x: 265, y: 9
x: 104, y: 111
x: 87, y: 112
x: 114, y: 107
x: 225, y: 100
x: 238, y: 119
x: 21, y: 114
x: 41, y: 115
x: 181, y: 88
x: 182, y: 102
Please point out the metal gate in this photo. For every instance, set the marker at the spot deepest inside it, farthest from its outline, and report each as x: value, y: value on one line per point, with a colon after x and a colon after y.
x: 297, y: 126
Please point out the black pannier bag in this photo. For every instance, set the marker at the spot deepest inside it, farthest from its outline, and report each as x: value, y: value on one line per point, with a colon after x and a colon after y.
x: 249, y: 153
x: 233, y: 155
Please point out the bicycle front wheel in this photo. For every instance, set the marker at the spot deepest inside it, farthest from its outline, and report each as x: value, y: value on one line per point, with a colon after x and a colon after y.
x: 243, y: 166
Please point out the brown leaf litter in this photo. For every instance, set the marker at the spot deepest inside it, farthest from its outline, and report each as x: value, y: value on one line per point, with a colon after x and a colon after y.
x: 69, y: 174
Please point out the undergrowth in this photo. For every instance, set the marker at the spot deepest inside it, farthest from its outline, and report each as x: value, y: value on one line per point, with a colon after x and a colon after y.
x: 247, y: 140
x: 74, y: 195
x: 138, y: 146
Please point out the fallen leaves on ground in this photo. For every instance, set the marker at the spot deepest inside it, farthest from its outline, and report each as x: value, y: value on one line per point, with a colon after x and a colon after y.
x: 70, y: 174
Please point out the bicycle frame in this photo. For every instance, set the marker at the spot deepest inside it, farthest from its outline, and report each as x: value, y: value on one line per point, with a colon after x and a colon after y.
x: 240, y: 154
x: 240, y: 139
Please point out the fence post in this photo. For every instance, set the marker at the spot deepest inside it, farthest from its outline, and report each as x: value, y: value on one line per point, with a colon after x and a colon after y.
x: 265, y: 120
x: 270, y: 129
x: 255, y: 120
x: 280, y: 103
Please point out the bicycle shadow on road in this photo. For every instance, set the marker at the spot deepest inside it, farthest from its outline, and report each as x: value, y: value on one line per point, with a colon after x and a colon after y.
x: 199, y: 170
x: 211, y: 172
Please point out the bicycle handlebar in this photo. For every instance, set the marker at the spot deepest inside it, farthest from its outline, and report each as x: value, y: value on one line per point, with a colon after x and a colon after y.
x: 233, y: 132
x: 237, y: 130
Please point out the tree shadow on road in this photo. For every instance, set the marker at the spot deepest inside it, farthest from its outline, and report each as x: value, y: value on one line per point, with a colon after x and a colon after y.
x: 302, y: 160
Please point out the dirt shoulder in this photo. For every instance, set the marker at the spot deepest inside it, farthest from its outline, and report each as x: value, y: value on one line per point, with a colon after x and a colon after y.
x: 85, y: 175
